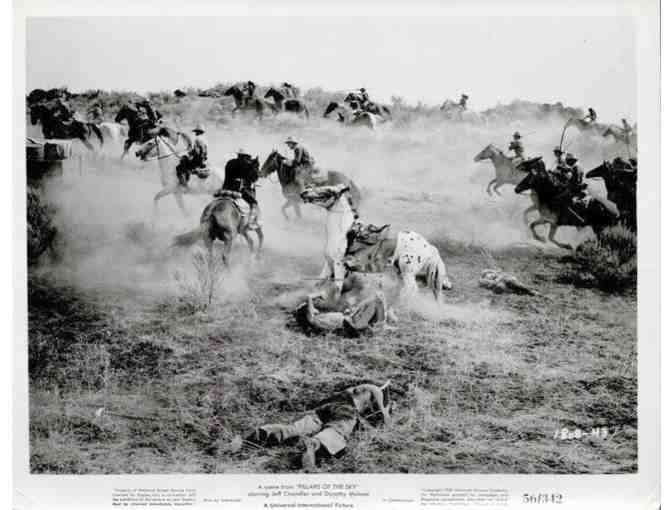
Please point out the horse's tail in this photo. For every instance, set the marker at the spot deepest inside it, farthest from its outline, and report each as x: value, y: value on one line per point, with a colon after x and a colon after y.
x: 332, y: 106
x: 96, y: 130
x: 386, y: 110
x: 436, y: 275
x: 188, y: 238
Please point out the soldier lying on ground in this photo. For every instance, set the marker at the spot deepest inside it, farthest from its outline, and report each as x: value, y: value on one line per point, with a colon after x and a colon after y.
x: 360, y: 306
x: 500, y: 282
x: 324, y: 431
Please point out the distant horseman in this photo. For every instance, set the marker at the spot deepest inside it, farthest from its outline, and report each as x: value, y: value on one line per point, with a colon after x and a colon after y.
x: 302, y: 163
x: 195, y: 160
x: 518, y: 150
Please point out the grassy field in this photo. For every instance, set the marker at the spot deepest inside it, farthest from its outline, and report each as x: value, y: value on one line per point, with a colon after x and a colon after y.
x: 481, y: 384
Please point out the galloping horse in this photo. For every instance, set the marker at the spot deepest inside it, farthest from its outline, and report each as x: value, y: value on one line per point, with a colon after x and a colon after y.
x: 596, y: 213
x: 621, y: 187
x: 371, y: 107
x: 141, y: 136
x: 287, y: 104
x: 222, y: 219
x: 54, y: 128
x: 243, y: 102
x: 291, y: 188
x: 505, y: 173
x: 408, y: 252
x: 168, y: 156
x: 351, y: 117
x: 620, y: 135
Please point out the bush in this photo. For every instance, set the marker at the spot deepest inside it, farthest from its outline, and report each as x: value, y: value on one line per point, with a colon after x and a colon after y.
x: 611, y: 259
x: 40, y: 229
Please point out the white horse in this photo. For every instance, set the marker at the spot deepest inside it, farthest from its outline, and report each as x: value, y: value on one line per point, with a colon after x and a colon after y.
x: 408, y: 252
x: 168, y: 156
x: 505, y: 173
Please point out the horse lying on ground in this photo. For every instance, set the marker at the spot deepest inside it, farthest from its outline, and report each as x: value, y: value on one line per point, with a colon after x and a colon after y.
x: 223, y: 219
x: 591, y: 212
x: 292, y: 187
x: 408, y: 252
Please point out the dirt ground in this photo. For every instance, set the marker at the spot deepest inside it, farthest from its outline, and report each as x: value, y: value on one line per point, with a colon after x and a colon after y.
x: 481, y: 384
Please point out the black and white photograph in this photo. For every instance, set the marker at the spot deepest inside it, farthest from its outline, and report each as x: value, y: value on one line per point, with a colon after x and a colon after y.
x: 332, y: 244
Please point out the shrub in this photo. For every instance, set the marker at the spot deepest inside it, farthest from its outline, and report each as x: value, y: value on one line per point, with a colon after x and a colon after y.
x: 611, y: 259
x: 41, y: 230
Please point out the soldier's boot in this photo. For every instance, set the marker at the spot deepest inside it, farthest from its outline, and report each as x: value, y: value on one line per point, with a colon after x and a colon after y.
x: 308, y: 459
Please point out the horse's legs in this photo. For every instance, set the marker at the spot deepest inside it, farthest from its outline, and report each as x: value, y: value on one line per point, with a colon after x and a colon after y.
x: 528, y: 211
x: 127, y: 146
x: 164, y: 192
x: 297, y: 210
x: 551, y: 237
x: 179, y: 198
x: 496, y: 188
x: 487, y: 190
x: 284, y: 209
x: 260, y: 235
x: 87, y: 145
x: 250, y: 242
x: 534, y: 224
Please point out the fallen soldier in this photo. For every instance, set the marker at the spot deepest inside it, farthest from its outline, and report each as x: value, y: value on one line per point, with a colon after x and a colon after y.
x: 325, y: 430
x: 360, y: 306
x: 500, y: 282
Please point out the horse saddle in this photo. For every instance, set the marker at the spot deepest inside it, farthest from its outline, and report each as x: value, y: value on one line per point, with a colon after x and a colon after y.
x: 239, y: 202
x: 201, y: 172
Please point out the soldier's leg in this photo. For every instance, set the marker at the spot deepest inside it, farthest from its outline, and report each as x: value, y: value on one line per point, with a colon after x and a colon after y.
x: 367, y: 313
x: 274, y: 434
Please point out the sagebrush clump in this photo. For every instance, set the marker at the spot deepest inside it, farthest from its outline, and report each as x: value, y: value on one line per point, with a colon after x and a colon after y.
x: 611, y: 259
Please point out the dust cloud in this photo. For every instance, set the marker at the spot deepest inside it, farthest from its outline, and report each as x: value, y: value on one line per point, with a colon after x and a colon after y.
x: 420, y: 175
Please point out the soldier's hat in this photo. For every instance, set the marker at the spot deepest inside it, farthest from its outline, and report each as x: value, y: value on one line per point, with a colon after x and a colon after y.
x: 570, y: 157
x: 558, y: 149
x: 517, y: 135
x: 465, y: 96
x: 291, y: 139
x: 242, y: 152
x: 362, y: 89
x: 199, y: 129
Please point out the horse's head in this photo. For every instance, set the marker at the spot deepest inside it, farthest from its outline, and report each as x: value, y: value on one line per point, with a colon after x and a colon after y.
x: 528, y: 182
x: 599, y: 171
x: 324, y: 196
x: 149, y: 149
x: 37, y: 113
x: 330, y: 108
x: 274, y: 94
x: 271, y: 164
x: 234, y: 91
x: 125, y: 113
x: 488, y: 152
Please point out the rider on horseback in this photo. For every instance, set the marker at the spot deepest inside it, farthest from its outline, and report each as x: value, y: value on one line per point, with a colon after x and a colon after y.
x: 463, y: 101
x: 302, y: 162
x: 518, y: 150
x: 560, y: 163
x: 95, y: 113
x: 591, y: 116
x: 240, y: 176
x: 195, y: 159
x: 571, y: 179
x: 62, y: 111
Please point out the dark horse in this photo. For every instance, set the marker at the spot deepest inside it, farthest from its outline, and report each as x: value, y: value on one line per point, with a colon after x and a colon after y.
x: 284, y: 104
x: 245, y: 103
x: 140, y: 132
x: 621, y: 184
x: 371, y: 107
x: 291, y: 188
x: 595, y: 213
x: 222, y: 220
x: 55, y: 128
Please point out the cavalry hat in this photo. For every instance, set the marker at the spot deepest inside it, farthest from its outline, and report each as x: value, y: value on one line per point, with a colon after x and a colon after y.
x: 362, y: 89
x: 517, y: 135
x: 242, y: 151
x: 570, y: 157
x: 558, y: 149
x: 199, y: 128
x: 291, y: 139
x: 465, y: 96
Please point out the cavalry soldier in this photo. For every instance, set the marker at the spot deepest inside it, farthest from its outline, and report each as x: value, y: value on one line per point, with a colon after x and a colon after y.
x: 559, y: 155
x: 518, y: 150
x: 289, y: 89
x: 96, y: 113
x: 240, y: 175
x: 463, y: 101
x: 195, y: 159
x: 627, y: 130
x: 147, y: 112
x: 302, y: 162
x: 325, y: 430
x: 572, y: 180
x: 62, y: 111
x: 249, y: 89
x: 591, y: 116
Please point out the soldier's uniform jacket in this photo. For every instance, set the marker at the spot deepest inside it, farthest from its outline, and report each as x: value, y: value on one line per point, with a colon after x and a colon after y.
x: 517, y: 147
x: 463, y: 103
x: 241, y: 176
x: 302, y: 158
x: 574, y: 175
x: 199, y: 152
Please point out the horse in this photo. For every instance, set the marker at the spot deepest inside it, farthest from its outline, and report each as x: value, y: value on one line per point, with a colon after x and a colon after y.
x: 350, y: 117
x: 291, y: 188
x: 409, y: 253
x: 223, y: 219
x: 597, y: 213
x: 287, y: 104
x: 56, y: 129
x: 455, y: 111
x: 620, y: 135
x: 505, y: 173
x: 371, y: 107
x: 243, y: 102
x: 162, y: 150
x: 141, y: 136
x: 621, y: 187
